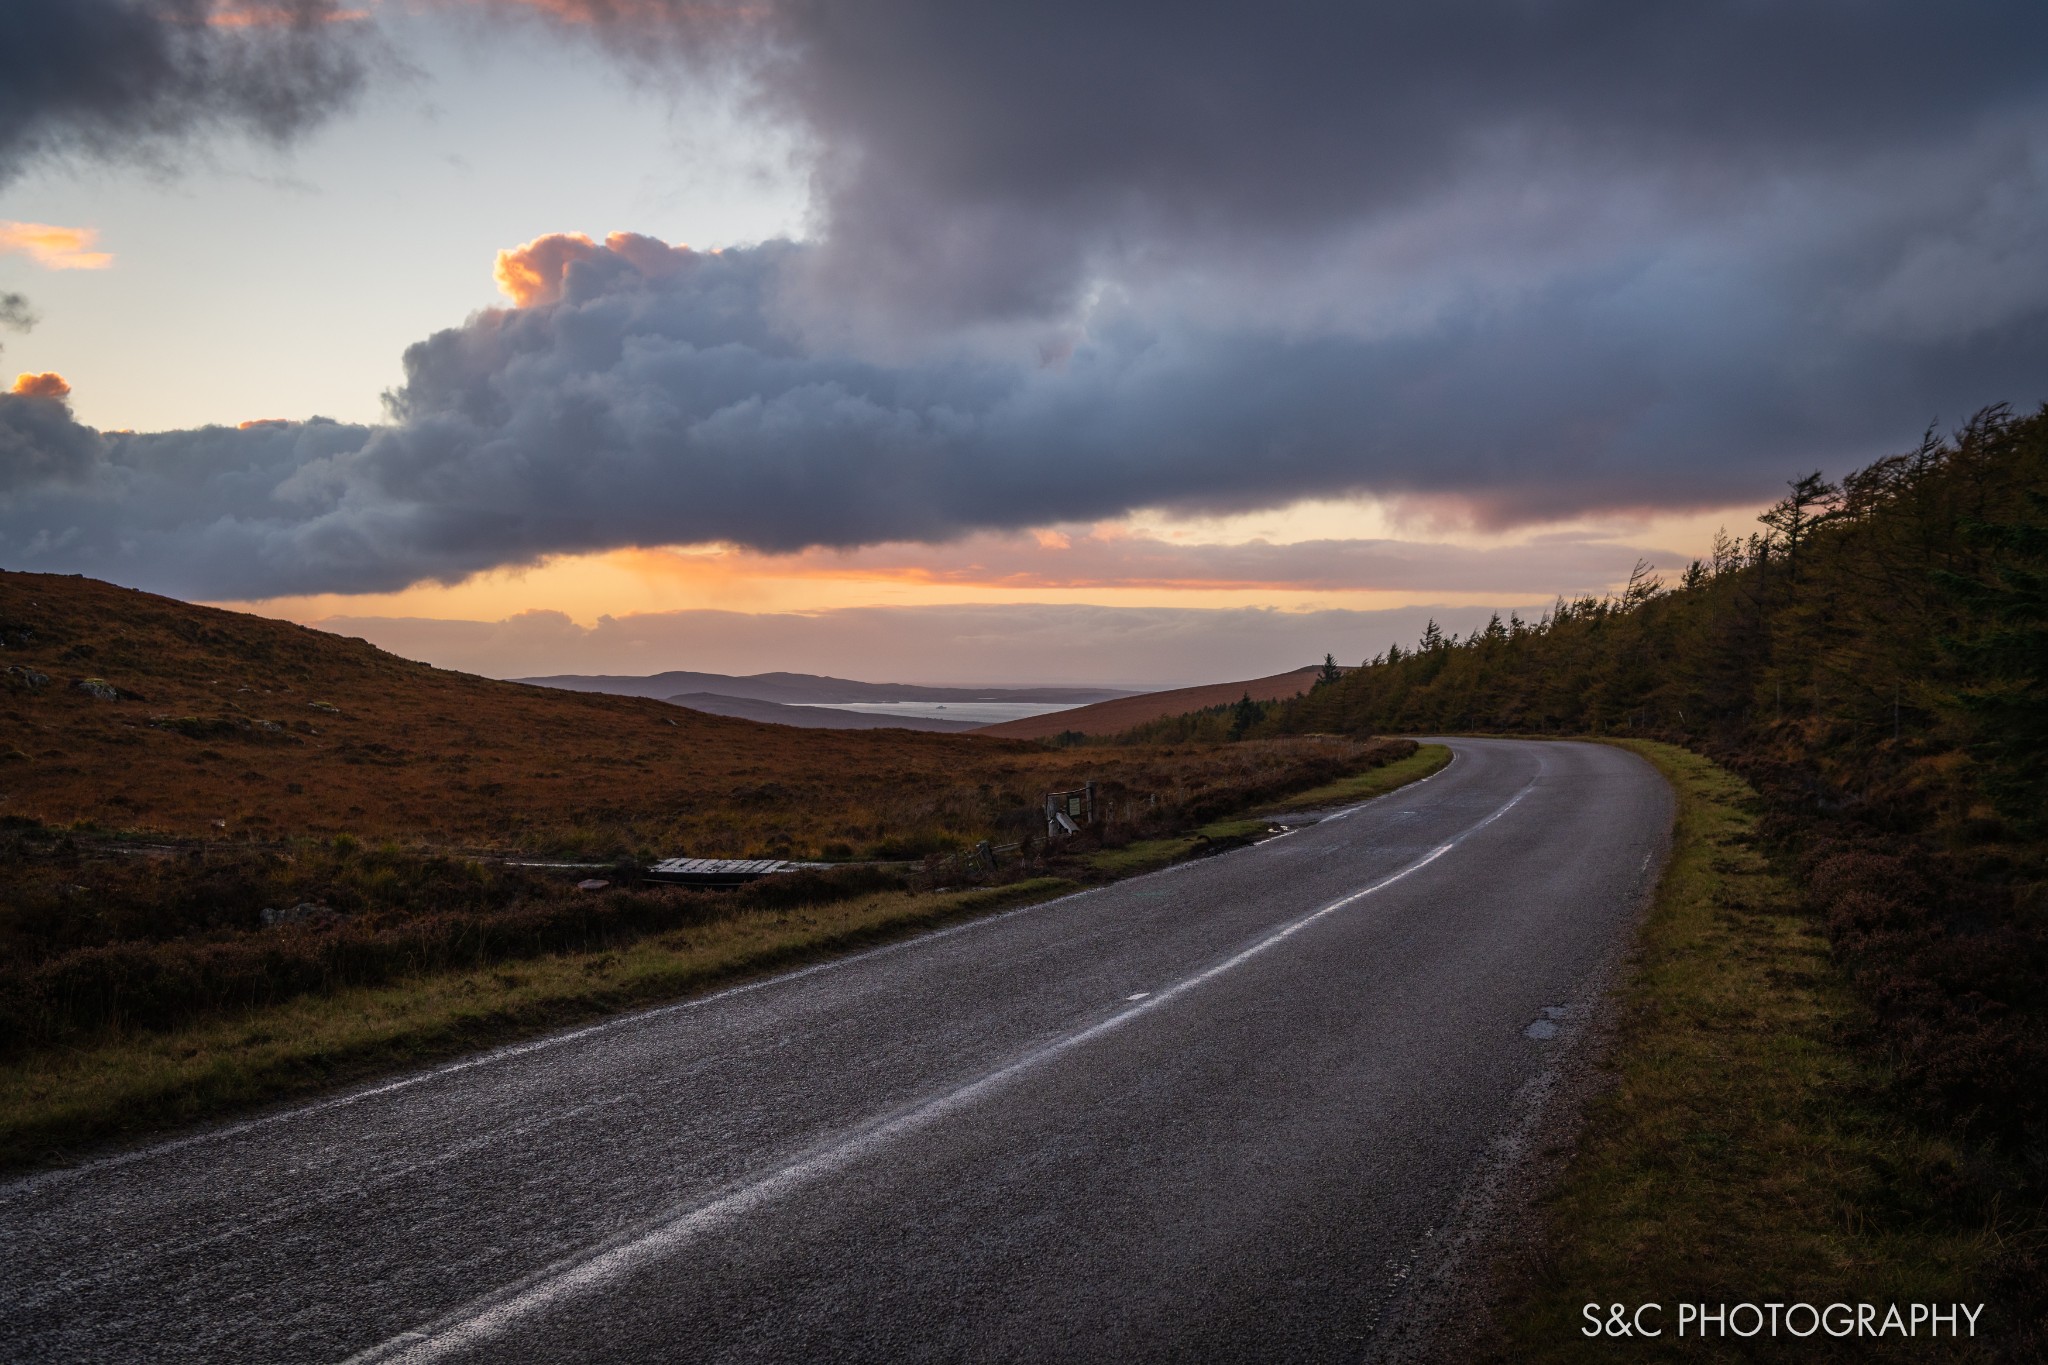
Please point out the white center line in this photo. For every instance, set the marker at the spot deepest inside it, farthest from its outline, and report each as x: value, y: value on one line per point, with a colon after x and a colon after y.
x: 486, y: 1318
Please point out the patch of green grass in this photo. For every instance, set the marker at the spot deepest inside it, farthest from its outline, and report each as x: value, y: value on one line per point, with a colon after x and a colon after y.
x: 1234, y: 829
x: 1426, y: 759
x: 128, y: 1085
x: 1746, y: 1151
x: 1147, y: 855
x: 1144, y: 855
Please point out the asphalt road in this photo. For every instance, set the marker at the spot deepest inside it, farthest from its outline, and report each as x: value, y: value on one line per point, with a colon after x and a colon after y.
x: 1216, y: 1113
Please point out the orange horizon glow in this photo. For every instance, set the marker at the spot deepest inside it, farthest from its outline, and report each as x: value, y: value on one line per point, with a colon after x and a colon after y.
x: 53, y: 247
x: 1103, y: 565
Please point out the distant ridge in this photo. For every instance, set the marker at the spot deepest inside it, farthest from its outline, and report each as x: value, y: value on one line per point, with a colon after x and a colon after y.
x: 125, y: 711
x: 808, y: 717
x: 1120, y: 714
x: 799, y: 689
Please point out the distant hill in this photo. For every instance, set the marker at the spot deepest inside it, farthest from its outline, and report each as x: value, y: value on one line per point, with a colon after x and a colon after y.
x: 132, y: 715
x: 801, y: 689
x: 1115, y: 716
x: 125, y: 711
x: 807, y: 717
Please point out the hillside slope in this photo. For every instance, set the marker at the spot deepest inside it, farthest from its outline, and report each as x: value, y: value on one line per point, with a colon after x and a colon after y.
x: 803, y: 689
x: 810, y: 717
x: 1114, y: 717
x: 125, y: 712
x: 129, y: 711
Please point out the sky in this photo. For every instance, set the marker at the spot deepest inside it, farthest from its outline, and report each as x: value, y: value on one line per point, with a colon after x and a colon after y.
x: 1128, y: 344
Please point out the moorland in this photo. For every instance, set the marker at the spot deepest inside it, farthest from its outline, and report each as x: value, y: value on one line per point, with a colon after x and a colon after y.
x: 214, y: 823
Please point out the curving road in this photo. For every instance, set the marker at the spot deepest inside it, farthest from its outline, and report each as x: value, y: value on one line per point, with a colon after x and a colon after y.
x: 1217, y: 1113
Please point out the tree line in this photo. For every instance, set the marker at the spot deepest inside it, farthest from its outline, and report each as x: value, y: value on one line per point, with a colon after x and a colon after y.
x: 1871, y: 657
x: 1883, y: 637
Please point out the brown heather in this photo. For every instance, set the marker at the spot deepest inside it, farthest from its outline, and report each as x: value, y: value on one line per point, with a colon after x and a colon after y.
x: 234, y: 728
x: 174, y: 772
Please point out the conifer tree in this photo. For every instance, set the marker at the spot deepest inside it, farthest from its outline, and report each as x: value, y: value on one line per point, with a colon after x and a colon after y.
x: 1244, y: 716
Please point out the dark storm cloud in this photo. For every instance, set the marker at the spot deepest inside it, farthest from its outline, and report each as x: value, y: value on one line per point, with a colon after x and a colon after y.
x: 675, y: 408
x: 181, y: 509
x: 41, y: 448
x: 15, y: 314
x: 988, y: 159
x: 1525, y: 260
x: 122, y: 78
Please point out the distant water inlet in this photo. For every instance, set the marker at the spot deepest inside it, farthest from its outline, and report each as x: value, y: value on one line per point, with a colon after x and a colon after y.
x: 973, y: 712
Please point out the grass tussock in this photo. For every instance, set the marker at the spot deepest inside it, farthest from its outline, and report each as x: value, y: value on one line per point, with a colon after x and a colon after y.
x: 1748, y: 1150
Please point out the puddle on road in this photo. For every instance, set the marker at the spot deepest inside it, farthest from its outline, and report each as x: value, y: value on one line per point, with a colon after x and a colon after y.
x: 1544, y: 1029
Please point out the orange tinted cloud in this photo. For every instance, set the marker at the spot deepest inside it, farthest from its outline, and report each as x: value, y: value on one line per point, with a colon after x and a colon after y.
x: 232, y: 15
x: 44, y: 385
x: 632, y: 11
x: 535, y: 272
x: 1110, y: 557
x: 53, y: 247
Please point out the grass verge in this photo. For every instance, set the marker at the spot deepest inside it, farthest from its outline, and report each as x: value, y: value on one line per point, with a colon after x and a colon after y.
x: 1146, y: 855
x: 1426, y: 759
x: 132, y: 1084
x: 1746, y: 1151
x: 126, y: 1085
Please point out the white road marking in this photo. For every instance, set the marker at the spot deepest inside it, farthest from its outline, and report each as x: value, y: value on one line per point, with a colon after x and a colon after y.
x: 1139, y: 996
x: 27, y: 1184
x: 486, y: 1318
x: 1404, y: 787
x: 11, y: 1190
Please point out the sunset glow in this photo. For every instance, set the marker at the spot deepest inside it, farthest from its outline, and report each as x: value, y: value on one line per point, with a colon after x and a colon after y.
x: 1296, y: 559
x: 801, y: 680
x: 932, y: 339
x: 41, y: 386
x: 622, y: 11
x: 230, y: 15
x: 53, y: 247
x: 534, y: 273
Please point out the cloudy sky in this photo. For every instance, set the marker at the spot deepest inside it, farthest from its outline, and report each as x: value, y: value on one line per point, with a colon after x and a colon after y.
x: 938, y: 340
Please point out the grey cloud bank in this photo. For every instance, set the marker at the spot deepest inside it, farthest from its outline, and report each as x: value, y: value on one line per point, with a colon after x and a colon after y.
x: 1528, y: 260
x: 982, y: 159
x: 135, y: 78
